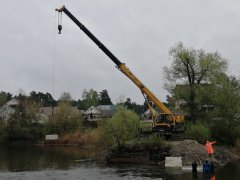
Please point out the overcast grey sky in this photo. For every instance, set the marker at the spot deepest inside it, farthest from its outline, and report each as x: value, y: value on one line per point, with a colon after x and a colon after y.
x: 138, y: 32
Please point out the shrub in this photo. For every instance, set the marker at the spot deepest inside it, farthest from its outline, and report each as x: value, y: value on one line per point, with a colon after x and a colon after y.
x: 123, y: 126
x: 149, y: 143
x: 65, y: 120
x: 153, y: 141
x: 85, y: 138
x: 2, y: 131
x: 226, y: 130
x: 199, y: 132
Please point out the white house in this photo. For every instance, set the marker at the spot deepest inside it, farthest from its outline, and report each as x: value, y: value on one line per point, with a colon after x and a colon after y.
x: 13, y: 102
x: 100, y: 112
x: 6, y: 112
x: 92, y: 114
x: 8, y: 109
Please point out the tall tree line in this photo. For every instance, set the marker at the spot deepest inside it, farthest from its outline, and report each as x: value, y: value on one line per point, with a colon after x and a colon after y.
x: 212, y: 95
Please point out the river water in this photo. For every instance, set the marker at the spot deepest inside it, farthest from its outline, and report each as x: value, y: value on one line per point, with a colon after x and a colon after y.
x: 72, y: 163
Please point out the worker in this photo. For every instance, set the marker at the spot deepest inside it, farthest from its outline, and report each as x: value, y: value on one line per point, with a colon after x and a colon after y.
x: 206, y: 167
x: 212, y: 167
x: 194, y: 167
x: 212, y: 177
x: 209, y: 148
x: 194, y: 170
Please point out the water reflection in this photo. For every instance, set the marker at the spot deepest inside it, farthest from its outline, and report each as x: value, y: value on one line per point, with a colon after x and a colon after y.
x: 30, y: 158
x: 39, y: 162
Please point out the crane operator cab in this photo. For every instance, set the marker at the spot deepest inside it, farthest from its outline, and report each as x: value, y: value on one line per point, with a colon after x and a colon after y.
x: 168, y: 123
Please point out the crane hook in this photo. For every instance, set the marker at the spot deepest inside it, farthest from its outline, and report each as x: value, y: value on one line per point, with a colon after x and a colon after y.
x: 59, y: 28
x: 59, y: 22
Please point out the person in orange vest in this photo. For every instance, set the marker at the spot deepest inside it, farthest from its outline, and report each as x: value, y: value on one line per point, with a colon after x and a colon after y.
x: 209, y: 148
x: 212, y: 177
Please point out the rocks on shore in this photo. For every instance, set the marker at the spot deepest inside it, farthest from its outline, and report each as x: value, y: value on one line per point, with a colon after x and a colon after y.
x: 189, y: 150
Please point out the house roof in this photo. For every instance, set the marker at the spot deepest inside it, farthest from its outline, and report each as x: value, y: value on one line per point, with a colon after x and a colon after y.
x: 92, y: 110
x: 53, y: 110
x: 13, y: 102
x: 107, y: 110
x: 103, y: 110
x: 106, y: 107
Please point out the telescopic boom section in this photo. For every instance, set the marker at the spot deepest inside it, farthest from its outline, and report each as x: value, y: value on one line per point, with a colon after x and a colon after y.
x: 90, y: 35
x: 122, y: 67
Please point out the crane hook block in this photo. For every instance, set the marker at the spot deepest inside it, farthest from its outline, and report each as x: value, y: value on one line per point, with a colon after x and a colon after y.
x: 59, y: 29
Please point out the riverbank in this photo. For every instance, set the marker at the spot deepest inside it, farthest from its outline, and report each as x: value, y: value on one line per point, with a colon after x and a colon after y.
x: 150, y: 150
x: 191, y: 150
x: 65, y: 162
x: 188, y: 150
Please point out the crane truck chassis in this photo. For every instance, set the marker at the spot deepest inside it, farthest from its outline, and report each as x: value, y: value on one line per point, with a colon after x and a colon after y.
x: 164, y: 122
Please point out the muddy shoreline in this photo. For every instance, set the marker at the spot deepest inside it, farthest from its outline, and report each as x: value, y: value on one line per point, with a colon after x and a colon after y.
x: 189, y: 150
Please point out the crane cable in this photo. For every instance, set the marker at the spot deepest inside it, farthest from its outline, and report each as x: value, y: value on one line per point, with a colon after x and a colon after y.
x: 54, y: 48
x: 54, y: 56
x: 59, y: 22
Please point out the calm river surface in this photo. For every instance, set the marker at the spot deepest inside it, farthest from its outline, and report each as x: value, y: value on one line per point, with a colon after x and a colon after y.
x: 71, y: 163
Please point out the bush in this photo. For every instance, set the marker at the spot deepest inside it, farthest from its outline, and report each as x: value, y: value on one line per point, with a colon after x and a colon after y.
x: 65, y: 120
x: 226, y: 130
x: 2, y: 131
x: 153, y: 141
x: 199, y: 132
x: 81, y: 137
x: 149, y: 143
x: 123, y: 126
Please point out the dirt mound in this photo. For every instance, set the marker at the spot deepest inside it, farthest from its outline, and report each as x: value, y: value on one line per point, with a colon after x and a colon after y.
x: 191, y: 150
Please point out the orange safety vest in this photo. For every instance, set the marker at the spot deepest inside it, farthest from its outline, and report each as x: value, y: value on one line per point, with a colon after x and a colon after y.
x: 212, y: 177
x: 208, y: 147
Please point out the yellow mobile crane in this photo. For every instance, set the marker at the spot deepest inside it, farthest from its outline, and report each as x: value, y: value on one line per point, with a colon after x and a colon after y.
x: 163, y: 122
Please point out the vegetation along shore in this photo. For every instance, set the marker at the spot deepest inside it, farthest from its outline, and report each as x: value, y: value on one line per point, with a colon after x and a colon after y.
x: 209, y: 101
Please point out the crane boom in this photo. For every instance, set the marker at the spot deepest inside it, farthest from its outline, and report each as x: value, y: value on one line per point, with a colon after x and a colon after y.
x: 172, y: 120
x: 122, y: 67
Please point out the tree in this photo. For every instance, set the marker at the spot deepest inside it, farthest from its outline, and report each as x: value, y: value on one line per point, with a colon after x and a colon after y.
x: 137, y: 108
x: 128, y: 103
x: 77, y: 103
x: 192, y: 68
x: 225, y: 124
x: 3, y: 100
x: 121, y: 100
x: 65, y: 97
x: 104, y: 98
x: 45, y: 100
x: 4, y: 97
x: 24, y: 123
x: 65, y: 120
x: 31, y: 112
x: 122, y: 126
x: 89, y: 98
